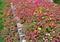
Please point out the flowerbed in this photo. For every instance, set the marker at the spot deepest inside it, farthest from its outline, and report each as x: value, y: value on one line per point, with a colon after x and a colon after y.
x: 40, y: 19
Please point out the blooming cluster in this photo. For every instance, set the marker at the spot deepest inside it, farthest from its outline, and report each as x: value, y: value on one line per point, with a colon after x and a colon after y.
x: 40, y: 19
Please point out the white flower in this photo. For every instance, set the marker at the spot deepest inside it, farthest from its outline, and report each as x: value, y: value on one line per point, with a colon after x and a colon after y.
x: 19, y: 25
x: 48, y: 34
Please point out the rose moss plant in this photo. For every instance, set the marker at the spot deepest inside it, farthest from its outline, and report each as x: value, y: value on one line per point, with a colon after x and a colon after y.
x: 40, y: 19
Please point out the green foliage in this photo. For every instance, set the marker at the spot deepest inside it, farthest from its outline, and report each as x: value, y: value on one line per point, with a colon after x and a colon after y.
x: 2, y: 2
x: 57, y: 1
x: 1, y: 22
x: 1, y: 37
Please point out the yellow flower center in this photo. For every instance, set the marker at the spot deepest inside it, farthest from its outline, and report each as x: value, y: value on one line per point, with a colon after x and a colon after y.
x: 39, y: 28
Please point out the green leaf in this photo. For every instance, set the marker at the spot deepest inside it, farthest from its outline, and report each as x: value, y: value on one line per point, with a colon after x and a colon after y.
x: 1, y: 11
x: 56, y: 1
x: 1, y: 21
x: 2, y: 39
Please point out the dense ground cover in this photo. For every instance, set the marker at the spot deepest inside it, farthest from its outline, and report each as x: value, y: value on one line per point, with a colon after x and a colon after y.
x: 2, y: 2
x: 40, y: 19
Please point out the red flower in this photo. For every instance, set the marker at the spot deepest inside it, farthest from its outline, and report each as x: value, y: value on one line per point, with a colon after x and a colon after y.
x: 51, y: 24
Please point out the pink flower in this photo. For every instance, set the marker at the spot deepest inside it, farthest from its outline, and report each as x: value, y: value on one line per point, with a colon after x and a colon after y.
x: 38, y: 19
x: 58, y: 36
x: 35, y: 26
x: 23, y: 30
x: 17, y: 36
x: 36, y: 40
x: 36, y: 1
x: 38, y: 23
x: 27, y: 33
x: 35, y: 19
x: 59, y: 33
x: 38, y: 32
x: 28, y: 38
x: 53, y: 31
x: 53, y: 18
x: 56, y: 40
